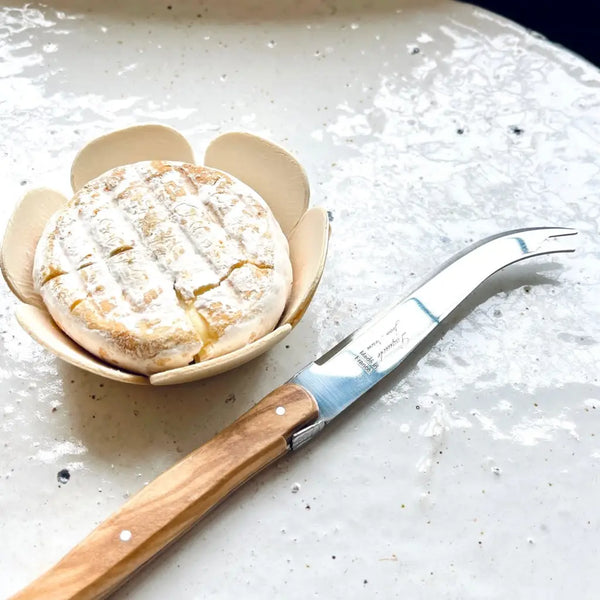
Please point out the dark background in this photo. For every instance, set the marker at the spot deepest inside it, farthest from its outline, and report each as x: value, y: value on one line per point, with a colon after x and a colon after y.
x: 573, y: 24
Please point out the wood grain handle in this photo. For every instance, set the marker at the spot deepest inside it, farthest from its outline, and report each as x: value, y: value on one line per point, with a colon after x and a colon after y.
x: 176, y: 500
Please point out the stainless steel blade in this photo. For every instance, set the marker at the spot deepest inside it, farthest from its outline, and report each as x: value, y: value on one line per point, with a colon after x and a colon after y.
x: 366, y: 356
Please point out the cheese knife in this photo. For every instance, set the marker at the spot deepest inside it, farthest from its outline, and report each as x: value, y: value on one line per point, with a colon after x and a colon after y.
x: 283, y: 421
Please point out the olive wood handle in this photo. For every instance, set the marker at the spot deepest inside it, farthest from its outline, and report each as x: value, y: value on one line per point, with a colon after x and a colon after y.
x: 169, y: 506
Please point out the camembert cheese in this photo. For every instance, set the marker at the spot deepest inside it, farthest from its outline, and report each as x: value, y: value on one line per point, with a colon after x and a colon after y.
x: 155, y: 265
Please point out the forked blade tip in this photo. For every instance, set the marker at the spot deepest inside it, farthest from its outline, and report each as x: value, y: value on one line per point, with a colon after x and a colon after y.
x: 562, y: 232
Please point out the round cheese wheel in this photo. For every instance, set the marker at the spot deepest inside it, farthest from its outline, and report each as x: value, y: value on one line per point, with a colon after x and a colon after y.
x: 155, y: 265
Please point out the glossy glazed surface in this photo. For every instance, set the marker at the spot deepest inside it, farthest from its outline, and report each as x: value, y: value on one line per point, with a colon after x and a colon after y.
x: 422, y: 127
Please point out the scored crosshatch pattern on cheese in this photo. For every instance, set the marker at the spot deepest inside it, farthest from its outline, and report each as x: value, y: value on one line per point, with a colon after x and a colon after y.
x: 160, y: 238
x: 287, y: 187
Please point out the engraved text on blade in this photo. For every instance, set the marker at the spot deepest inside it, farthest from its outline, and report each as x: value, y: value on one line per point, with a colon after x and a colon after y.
x: 371, y: 356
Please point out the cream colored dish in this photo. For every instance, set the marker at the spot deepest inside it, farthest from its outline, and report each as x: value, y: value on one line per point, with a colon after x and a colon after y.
x: 268, y: 169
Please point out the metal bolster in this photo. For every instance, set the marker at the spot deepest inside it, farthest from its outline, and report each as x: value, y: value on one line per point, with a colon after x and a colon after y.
x: 299, y: 438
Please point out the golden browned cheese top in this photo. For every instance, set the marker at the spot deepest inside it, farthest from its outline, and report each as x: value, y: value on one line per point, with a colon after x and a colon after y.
x: 155, y: 264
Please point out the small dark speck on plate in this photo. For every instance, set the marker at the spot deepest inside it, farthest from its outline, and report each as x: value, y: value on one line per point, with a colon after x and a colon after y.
x: 63, y: 476
x: 330, y: 216
x: 460, y: 131
x: 230, y: 399
x: 517, y: 130
x: 415, y: 50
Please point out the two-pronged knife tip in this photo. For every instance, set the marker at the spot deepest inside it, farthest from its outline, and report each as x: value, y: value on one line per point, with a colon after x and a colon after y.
x: 563, y: 231
x: 561, y: 245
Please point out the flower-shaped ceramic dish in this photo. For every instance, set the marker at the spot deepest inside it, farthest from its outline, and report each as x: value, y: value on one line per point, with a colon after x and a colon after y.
x: 265, y: 167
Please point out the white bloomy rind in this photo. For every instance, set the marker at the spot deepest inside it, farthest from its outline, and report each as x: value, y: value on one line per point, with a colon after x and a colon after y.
x: 154, y: 264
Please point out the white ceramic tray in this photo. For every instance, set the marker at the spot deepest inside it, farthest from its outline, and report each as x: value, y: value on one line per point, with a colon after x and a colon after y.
x: 422, y: 127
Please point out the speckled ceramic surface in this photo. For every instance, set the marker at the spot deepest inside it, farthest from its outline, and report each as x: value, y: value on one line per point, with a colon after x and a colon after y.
x: 473, y: 473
